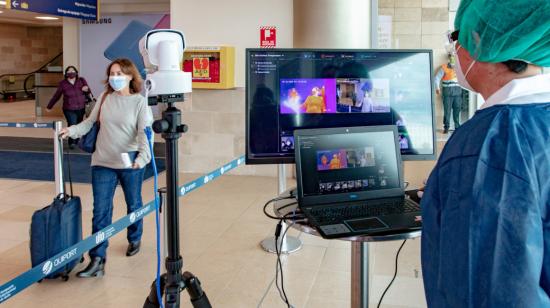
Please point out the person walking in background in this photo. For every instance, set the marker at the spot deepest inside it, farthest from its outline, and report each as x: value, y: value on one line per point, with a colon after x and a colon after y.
x: 74, y: 90
x: 447, y: 85
x: 120, y: 156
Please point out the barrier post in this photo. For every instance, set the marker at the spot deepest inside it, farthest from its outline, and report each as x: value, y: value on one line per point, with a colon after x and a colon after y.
x: 288, y: 243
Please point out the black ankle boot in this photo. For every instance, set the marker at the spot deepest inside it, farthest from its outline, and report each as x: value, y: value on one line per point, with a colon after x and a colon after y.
x: 96, y: 268
x: 133, y: 248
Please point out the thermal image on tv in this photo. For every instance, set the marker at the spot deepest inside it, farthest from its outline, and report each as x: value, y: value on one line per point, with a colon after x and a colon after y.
x: 308, y: 96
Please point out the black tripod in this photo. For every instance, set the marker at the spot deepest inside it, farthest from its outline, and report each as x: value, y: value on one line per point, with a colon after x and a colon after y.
x: 173, y: 281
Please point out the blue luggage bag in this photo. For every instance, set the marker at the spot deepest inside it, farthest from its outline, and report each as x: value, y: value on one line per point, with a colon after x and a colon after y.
x: 55, y: 228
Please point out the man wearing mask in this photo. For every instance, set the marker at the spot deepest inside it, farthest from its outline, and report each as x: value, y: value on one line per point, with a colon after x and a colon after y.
x: 486, y: 227
x: 447, y: 85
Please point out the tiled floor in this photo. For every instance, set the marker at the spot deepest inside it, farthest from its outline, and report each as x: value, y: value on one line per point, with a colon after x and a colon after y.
x: 221, y: 227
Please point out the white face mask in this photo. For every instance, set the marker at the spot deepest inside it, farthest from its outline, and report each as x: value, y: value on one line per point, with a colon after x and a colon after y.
x: 462, y: 81
x: 118, y: 82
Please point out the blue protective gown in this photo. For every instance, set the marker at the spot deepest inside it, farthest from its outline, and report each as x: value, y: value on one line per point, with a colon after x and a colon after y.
x: 486, y: 225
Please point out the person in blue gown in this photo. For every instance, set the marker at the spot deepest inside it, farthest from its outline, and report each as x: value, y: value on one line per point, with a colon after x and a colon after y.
x: 486, y: 205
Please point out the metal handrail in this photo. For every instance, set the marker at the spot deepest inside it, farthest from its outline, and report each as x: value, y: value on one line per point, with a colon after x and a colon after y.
x: 28, y: 76
x: 35, y: 71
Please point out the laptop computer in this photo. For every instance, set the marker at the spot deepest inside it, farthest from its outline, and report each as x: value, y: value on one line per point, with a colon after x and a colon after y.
x: 350, y: 181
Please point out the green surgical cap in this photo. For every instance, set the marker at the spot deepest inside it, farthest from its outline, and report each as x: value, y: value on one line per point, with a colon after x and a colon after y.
x: 501, y: 30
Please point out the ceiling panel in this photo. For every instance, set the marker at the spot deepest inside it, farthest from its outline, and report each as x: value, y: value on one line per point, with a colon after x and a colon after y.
x: 28, y: 18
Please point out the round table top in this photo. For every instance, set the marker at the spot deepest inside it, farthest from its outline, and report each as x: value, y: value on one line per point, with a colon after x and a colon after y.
x: 285, y: 206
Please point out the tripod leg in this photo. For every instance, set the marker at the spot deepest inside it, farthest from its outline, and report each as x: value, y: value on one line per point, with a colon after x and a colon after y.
x: 152, y: 301
x: 197, y: 295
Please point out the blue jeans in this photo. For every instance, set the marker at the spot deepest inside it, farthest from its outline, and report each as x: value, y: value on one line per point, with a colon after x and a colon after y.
x: 104, y: 182
x: 74, y: 117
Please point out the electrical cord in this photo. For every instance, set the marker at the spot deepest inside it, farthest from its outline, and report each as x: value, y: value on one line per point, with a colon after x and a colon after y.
x: 279, y: 246
x: 394, y: 274
x: 275, y: 200
x: 279, y: 264
x: 277, y: 234
x: 149, y: 134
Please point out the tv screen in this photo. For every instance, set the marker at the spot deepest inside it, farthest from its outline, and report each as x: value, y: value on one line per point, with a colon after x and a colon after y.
x: 287, y: 89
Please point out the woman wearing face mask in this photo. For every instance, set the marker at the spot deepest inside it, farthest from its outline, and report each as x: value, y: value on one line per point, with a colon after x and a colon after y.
x: 74, y: 89
x: 120, y: 156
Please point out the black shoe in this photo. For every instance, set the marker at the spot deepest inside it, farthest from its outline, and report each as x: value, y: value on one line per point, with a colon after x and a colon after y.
x: 446, y: 131
x: 71, y: 146
x: 133, y: 248
x: 96, y: 268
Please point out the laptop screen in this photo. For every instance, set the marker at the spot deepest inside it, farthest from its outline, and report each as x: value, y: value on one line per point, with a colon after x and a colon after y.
x: 352, y: 162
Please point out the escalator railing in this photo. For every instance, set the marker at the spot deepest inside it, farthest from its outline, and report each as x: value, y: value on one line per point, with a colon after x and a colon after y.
x: 12, y: 84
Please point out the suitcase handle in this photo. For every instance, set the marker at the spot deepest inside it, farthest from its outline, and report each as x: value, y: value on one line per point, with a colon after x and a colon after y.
x: 68, y: 167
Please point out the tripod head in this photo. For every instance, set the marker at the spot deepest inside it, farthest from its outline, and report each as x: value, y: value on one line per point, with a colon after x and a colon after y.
x: 170, y: 125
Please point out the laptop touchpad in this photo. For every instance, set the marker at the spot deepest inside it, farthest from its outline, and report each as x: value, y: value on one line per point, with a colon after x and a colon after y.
x: 366, y: 224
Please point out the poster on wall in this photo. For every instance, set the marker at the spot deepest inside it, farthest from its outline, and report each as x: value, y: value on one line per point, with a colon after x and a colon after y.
x: 114, y: 37
x: 268, y: 37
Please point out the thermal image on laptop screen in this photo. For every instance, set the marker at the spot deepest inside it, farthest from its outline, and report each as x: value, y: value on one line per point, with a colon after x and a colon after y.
x: 353, y: 162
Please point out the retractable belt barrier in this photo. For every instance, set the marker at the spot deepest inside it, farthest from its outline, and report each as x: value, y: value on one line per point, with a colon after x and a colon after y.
x: 26, y: 124
x: 40, y: 271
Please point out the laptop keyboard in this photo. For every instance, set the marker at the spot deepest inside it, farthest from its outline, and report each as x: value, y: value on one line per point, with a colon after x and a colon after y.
x: 380, y: 208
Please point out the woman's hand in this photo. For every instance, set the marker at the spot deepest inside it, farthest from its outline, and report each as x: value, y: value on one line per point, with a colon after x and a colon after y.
x: 64, y: 133
x: 135, y: 166
x: 85, y: 89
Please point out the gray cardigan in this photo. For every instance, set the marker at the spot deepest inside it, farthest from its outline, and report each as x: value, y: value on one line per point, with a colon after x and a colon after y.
x: 122, y: 123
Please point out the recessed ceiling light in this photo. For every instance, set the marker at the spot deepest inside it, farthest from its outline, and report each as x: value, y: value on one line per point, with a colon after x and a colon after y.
x: 46, y: 18
x: 2, y: 2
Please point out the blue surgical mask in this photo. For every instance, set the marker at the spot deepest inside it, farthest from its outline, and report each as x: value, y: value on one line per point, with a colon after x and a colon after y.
x: 118, y: 82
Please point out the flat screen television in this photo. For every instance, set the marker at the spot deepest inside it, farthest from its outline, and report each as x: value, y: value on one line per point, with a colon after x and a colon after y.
x: 287, y: 89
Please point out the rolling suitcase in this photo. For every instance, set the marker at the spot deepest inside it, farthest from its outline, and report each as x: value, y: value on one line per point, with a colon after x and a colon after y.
x: 55, y: 228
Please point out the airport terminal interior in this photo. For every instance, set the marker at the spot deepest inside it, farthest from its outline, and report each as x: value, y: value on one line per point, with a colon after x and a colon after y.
x: 256, y: 72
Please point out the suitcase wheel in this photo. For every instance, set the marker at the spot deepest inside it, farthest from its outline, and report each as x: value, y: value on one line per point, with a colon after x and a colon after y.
x: 40, y: 281
x: 82, y: 259
x: 65, y: 277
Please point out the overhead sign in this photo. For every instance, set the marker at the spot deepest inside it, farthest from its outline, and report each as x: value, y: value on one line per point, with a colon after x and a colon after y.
x: 81, y: 9
x: 268, y: 37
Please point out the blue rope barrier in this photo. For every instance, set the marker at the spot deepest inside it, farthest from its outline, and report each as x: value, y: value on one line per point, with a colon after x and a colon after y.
x: 26, y: 124
x: 23, y: 281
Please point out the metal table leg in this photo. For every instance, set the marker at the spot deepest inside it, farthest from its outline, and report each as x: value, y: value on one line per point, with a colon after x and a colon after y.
x: 359, y: 275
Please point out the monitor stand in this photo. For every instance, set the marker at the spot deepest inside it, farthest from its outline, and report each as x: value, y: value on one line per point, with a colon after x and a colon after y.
x: 288, y: 243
